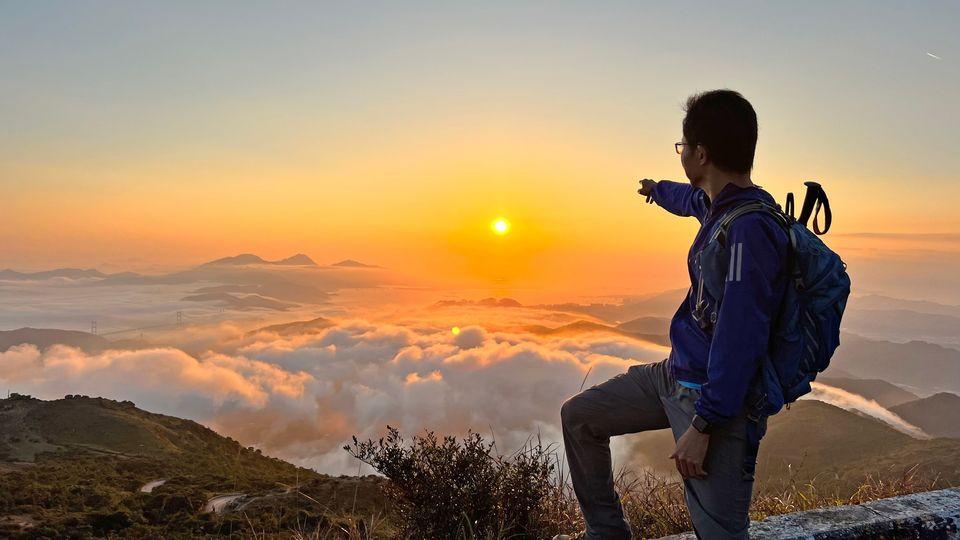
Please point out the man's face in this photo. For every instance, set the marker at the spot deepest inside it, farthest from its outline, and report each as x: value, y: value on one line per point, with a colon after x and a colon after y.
x: 690, y: 157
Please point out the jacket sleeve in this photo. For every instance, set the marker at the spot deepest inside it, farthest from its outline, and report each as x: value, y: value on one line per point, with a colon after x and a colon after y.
x: 753, y: 290
x: 681, y: 199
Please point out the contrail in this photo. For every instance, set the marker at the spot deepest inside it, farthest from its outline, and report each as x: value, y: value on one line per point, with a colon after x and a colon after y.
x: 850, y: 401
x: 931, y: 55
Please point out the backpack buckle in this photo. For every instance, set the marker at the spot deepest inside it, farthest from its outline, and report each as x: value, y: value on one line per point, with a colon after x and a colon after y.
x: 799, y: 284
x: 754, y: 413
x: 698, y: 315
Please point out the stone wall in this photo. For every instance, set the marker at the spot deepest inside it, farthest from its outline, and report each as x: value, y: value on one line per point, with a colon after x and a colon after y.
x: 931, y: 514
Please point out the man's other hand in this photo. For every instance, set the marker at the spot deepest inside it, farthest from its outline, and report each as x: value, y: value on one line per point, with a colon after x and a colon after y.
x: 690, y: 453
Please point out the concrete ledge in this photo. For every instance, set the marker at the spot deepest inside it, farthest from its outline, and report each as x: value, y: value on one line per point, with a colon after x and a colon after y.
x: 931, y: 514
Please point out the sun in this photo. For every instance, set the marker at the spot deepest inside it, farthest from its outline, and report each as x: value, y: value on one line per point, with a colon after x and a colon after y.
x: 500, y: 226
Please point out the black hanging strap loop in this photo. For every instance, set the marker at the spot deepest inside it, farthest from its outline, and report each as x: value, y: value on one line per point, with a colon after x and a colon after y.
x: 827, y: 217
x: 815, y: 198
x: 788, y: 209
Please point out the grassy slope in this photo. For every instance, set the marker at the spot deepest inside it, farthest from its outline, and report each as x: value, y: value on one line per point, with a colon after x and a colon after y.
x: 938, y: 415
x: 89, y: 457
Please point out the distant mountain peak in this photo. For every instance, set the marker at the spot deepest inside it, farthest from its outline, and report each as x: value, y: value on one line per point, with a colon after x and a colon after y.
x: 243, y: 258
x: 350, y: 263
x: 249, y: 258
x: 298, y: 260
x: 500, y: 302
x: 486, y: 302
x: 70, y: 273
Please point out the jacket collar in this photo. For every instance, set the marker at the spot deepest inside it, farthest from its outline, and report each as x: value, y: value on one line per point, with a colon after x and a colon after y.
x: 732, y: 194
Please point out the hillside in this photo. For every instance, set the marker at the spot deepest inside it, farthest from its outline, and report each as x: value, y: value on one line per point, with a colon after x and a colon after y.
x: 296, y: 328
x: 813, y: 438
x: 903, y: 325
x: 45, y: 337
x: 80, y: 464
x: 647, y: 325
x: 876, y: 301
x: 584, y: 327
x: 938, y: 415
x: 848, y: 445
x: 917, y: 364
x: 663, y: 304
x: 250, y: 301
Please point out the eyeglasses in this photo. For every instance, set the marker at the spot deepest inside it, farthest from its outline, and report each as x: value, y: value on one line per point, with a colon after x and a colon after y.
x: 678, y: 146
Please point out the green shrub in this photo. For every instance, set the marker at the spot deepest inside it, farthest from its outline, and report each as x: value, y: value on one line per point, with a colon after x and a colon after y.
x: 450, y: 489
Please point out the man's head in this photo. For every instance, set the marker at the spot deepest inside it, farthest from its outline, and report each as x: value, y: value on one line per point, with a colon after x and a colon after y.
x: 720, y: 129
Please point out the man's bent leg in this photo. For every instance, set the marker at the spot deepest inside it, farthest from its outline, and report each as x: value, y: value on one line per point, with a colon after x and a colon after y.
x: 719, y: 503
x: 627, y: 403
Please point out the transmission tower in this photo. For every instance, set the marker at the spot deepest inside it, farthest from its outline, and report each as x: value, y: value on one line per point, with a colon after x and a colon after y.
x: 93, y: 327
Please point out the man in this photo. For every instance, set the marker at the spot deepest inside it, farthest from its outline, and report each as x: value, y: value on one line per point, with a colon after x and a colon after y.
x: 699, y: 391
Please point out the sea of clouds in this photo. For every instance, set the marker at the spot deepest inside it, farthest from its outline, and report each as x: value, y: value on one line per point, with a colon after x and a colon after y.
x: 303, y: 396
x: 302, y: 393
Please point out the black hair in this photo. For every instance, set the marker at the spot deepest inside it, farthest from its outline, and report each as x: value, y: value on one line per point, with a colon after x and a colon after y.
x: 724, y: 122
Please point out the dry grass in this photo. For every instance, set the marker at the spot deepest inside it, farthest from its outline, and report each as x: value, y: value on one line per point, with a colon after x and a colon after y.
x: 654, y: 505
x: 794, y: 495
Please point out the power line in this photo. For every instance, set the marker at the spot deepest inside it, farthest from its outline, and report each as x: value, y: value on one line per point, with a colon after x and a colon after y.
x: 180, y: 323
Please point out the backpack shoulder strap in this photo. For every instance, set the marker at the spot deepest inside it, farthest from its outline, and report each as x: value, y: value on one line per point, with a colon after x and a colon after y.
x: 720, y: 233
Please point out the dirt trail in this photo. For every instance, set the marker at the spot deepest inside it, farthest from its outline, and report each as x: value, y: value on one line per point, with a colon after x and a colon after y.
x: 149, y: 486
x: 222, y: 503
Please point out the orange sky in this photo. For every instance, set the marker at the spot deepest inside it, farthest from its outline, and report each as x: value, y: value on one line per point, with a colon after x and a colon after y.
x: 182, y: 150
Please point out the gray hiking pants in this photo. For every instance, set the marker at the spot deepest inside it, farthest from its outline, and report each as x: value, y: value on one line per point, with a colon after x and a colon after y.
x: 646, y: 397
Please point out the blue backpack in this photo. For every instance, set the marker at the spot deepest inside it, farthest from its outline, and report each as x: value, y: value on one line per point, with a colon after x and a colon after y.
x: 806, y: 330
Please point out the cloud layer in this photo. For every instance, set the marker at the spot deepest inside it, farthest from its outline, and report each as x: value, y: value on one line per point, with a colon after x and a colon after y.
x: 302, y: 397
x: 854, y: 402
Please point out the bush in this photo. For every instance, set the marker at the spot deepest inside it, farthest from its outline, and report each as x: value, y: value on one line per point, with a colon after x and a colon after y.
x: 103, y: 522
x: 448, y: 489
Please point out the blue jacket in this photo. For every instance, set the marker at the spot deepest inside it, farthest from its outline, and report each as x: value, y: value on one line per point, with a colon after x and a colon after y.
x: 724, y: 359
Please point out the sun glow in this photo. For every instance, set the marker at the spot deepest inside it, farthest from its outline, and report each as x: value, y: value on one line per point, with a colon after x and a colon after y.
x: 501, y: 226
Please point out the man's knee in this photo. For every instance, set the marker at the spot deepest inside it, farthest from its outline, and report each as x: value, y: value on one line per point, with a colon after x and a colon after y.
x: 572, y: 412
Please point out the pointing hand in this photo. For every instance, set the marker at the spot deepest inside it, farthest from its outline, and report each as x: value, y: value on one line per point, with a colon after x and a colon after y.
x: 646, y: 188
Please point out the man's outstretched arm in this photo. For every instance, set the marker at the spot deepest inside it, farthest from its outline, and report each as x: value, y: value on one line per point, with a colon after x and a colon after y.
x: 749, y: 305
x: 677, y: 198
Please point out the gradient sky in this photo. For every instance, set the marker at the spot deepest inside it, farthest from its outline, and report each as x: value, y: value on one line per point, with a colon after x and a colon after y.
x: 141, y: 135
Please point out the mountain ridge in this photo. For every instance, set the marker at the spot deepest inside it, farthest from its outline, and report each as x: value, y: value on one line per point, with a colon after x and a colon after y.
x: 938, y: 415
x: 82, y: 464
x: 43, y: 338
x: 70, y: 273
x: 298, y: 259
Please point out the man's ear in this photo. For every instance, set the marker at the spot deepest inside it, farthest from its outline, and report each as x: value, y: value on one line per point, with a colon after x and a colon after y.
x: 702, y: 156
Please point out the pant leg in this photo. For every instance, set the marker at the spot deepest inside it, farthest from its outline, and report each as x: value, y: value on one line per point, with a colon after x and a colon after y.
x: 627, y: 403
x: 719, y: 504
